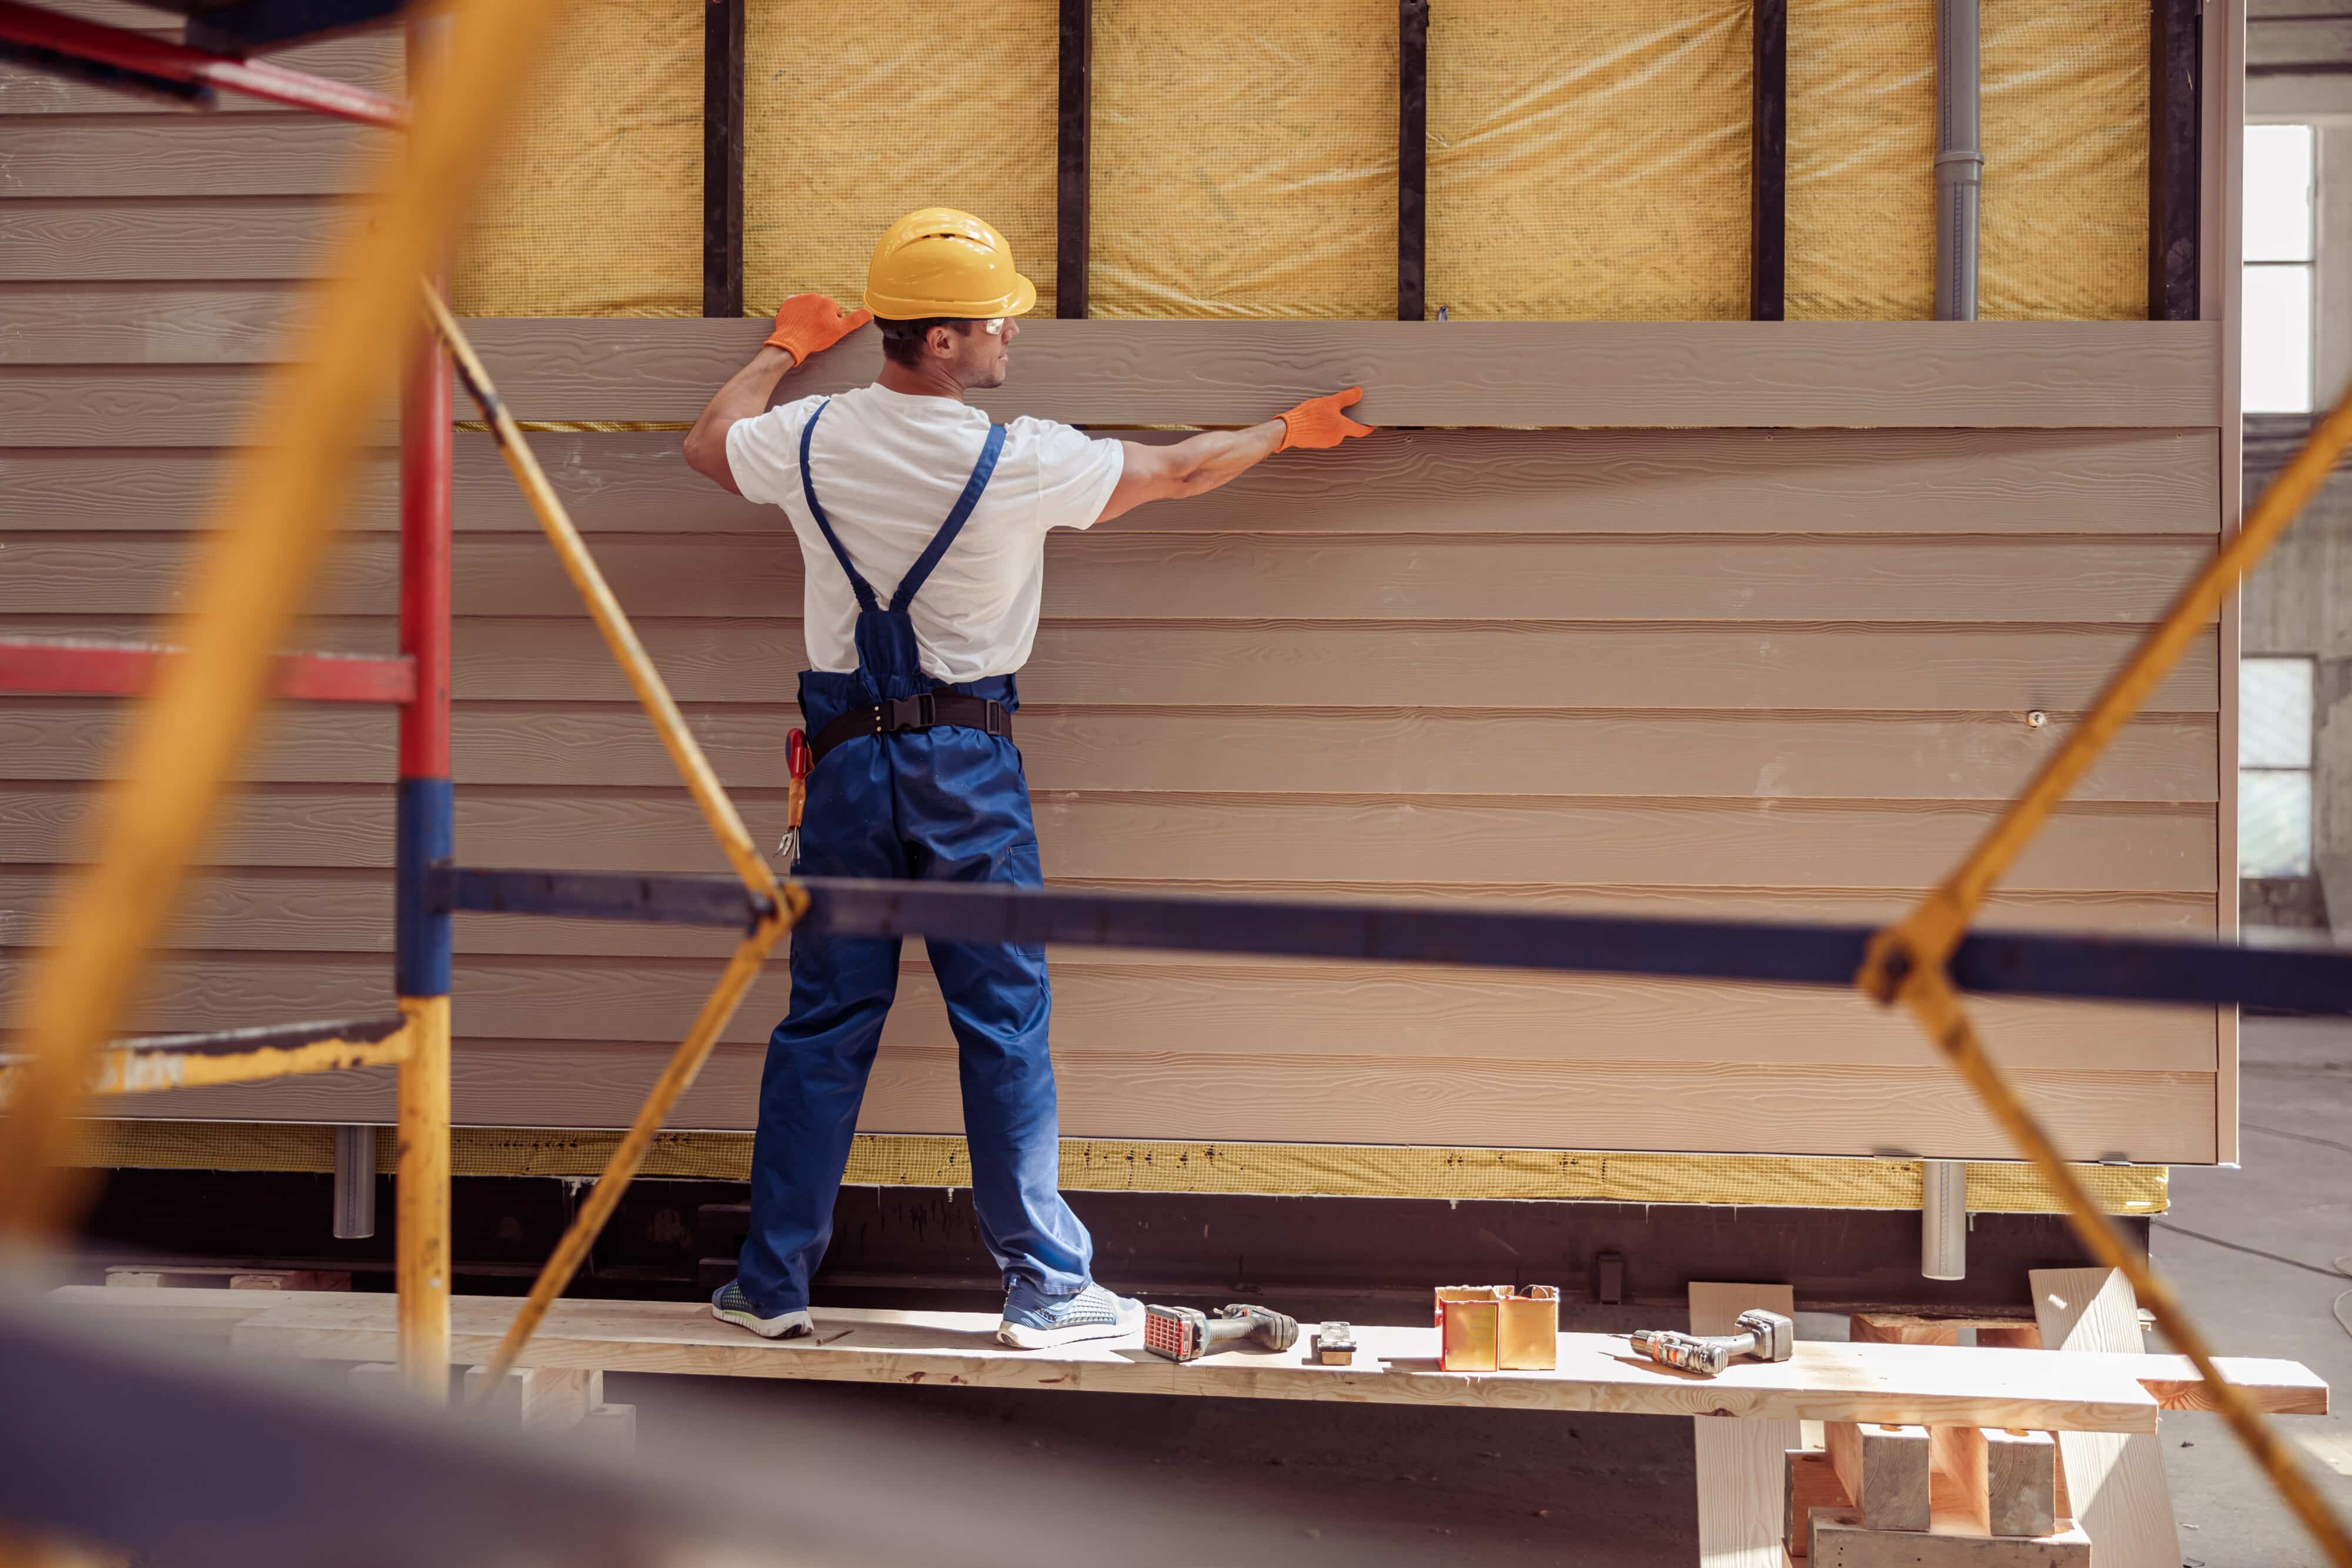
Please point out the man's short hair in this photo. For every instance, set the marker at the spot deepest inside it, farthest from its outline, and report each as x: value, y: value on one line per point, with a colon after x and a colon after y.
x: 902, y: 341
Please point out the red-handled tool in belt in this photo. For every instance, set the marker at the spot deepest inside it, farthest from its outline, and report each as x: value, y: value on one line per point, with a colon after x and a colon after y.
x: 798, y: 760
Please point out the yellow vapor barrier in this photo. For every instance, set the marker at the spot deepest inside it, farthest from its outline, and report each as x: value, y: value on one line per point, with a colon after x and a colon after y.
x: 1590, y: 161
x: 2064, y: 209
x: 1245, y: 159
x: 594, y: 205
x: 853, y: 115
x: 1100, y: 1165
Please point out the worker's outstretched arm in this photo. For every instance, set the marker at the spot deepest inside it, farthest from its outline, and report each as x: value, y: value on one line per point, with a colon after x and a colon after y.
x: 1199, y: 464
x: 806, y: 324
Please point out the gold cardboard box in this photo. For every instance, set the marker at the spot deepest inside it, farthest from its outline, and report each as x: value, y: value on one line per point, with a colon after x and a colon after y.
x: 1497, y: 1328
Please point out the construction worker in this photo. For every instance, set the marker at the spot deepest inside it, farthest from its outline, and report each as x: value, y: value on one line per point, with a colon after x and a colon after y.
x: 922, y: 532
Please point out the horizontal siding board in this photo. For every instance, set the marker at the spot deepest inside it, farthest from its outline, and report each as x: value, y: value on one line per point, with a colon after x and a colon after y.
x: 2163, y: 1117
x: 374, y: 60
x: 304, y: 910
x: 1983, y: 668
x: 1787, y: 843
x: 1252, y: 750
x: 137, y: 324
x: 1158, y: 576
x: 288, y: 153
x: 1683, y: 373
x: 1415, y: 1018
x: 1412, y: 482
x: 145, y: 405
x: 147, y: 239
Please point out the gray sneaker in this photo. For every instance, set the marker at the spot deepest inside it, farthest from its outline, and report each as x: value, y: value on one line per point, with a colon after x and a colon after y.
x: 729, y: 1304
x: 1041, y: 1323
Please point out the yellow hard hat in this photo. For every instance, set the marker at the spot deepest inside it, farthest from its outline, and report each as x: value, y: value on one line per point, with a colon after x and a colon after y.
x: 941, y: 262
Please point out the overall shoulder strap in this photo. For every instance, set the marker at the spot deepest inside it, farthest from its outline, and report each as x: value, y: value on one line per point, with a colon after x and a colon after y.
x: 920, y: 572
x: 857, y: 584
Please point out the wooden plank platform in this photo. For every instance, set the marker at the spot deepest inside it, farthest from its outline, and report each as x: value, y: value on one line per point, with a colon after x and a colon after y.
x: 1826, y: 1382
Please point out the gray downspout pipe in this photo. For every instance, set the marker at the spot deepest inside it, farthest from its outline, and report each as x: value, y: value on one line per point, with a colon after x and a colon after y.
x: 1959, y: 159
x: 354, y: 1181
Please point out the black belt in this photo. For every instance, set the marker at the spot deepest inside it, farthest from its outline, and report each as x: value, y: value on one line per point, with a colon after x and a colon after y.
x: 928, y: 711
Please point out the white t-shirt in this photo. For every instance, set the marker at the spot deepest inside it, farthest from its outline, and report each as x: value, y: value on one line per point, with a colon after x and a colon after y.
x: 888, y: 467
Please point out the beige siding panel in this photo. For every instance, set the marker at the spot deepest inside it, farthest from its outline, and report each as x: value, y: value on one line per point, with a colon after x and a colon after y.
x: 374, y: 60
x: 286, y: 153
x: 145, y: 405
x: 306, y: 910
x: 146, y: 239
x: 1602, y: 373
x: 1252, y: 750
x: 1188, y: 577
x: 2152, y: 1116
x: 1289, y: 838
x: 137, y: 324
x: 1431, y: 482
x: 2008, y: 669
x: 1210, y: 1007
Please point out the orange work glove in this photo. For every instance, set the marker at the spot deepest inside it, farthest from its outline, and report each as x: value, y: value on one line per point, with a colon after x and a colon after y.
x: 810, y: 324
x: 1317, y: 421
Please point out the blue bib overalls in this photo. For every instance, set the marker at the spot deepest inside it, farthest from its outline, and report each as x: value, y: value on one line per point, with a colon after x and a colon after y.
x: 948, y: 803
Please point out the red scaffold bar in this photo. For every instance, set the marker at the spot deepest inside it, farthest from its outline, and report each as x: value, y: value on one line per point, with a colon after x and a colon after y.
x: 141, y: 56
x: 118, y: 670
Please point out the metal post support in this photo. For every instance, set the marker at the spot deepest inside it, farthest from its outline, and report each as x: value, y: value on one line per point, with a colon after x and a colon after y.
x: 1959, y: 159
x: 424, y: 806
x: 354, y: 1182
x: 1944, y: 1219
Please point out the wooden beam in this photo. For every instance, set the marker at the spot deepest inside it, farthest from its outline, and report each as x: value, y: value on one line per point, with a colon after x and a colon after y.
x: 1413, y: 159
x: 1826, y: 1381
x: 1073, y: 160
x: 1768, y: 205
x: 2115, y: 1485
x: 2006, y: 1482
x: 1741, y: 1465
x: 2005, y: 375
x: 1810, y: 1481
x: 2175, y: 158
x: 722, y: 157
x: 1885, y: 1470
x: 1842, y: 1541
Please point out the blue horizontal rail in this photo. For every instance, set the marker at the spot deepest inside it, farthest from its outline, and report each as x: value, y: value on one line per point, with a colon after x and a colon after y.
x: 2013, y: 963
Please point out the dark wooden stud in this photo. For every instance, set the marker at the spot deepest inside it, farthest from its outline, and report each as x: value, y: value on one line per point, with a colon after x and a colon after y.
x: 1768, y: 199
x: 1074, y: 189
x: 722, y: 157
x: 2175, y: 158
x: 1413, y: 159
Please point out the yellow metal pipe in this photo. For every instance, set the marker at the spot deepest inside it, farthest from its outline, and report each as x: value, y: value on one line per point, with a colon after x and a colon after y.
x: 267, y: 530
x: 127, y: 1070
x: 685, y: 752
x: 605, y: 1195
x: 421, y: 1265
x: 1928, y: 993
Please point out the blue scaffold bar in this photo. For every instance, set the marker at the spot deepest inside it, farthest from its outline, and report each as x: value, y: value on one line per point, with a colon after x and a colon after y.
x: 2013, y: 963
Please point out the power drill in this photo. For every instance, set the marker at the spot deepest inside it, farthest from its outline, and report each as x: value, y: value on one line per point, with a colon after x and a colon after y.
x: 1767, y: 1336
x: 1184, y: 1333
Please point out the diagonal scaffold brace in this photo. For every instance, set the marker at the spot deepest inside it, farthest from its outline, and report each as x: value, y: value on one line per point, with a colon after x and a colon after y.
x: 1906, y: 962
x: 776, y: 908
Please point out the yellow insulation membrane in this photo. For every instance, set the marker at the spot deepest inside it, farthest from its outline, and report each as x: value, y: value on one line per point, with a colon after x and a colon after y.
x: 594, y: 205
x: 1245, y: 159
x: 1099, y: 1164
x: 1590, y: 161
x: 853, y: 115
x: 2064, y: 106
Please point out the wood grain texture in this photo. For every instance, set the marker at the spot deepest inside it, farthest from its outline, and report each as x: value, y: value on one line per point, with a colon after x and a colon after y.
x: 1885, y: 1470
x: 2159, y: 1117
x: 139, y: 324
x: 1778, y: 373
x: 1212, y: 1009
x: 1808, y: 1482
x: 1261, y: 750
x: 142, y: 240
x: 1419, y: 482
x: 1842, y: 1541
x: 1299, y: 837
x: 349, y: 911
x: 1398, y: 1364
x: 2116, y: 1486
x: 373, y: 59
x: 1740, y: 1464
x: 115, y: 405
x: 287, y: 152
x: 1809, y: 667
x: 1176, y: 577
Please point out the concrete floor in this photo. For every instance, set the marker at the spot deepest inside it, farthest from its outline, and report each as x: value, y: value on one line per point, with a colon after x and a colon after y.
x: 2252, y: 1250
